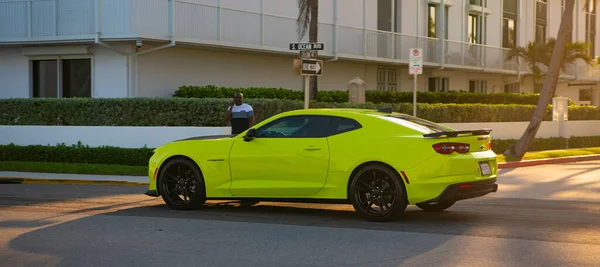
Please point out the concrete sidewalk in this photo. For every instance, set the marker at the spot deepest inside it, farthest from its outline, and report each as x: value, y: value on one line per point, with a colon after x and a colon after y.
x: 37, y: 177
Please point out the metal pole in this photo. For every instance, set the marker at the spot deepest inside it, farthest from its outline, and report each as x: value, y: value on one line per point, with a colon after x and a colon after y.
x: 306, y: 90
x: 415, y: 95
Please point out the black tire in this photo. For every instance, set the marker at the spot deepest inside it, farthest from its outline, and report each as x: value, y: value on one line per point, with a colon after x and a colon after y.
x: 437, y: 207
x: 378, y: 184
x: 177, y: 175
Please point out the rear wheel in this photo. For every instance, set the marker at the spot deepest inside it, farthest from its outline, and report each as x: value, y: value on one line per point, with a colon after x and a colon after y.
x: 440, y: 206
x: 181, y: 185
x: 377, y: 193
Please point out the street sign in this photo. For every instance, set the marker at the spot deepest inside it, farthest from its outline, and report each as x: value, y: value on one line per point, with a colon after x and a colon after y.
x: 311, y: 67
x: 308, y: 54
x: 306, y: 46
x: 415, y: 65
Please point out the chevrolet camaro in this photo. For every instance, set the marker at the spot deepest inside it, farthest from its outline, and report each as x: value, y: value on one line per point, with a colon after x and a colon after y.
x: 379, y: 161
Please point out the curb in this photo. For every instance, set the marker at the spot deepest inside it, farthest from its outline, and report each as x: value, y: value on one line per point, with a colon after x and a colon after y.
x: 14, y: 180
x: 535, y: 162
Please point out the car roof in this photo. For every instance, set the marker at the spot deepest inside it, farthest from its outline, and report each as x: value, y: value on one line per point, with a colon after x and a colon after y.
x: 349, y: 112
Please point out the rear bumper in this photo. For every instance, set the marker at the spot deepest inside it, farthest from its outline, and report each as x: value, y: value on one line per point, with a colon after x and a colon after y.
x: 467, y: 190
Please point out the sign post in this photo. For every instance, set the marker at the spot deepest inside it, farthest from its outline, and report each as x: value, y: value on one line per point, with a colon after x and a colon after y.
x: 307, y: 65
x: 415, y: 68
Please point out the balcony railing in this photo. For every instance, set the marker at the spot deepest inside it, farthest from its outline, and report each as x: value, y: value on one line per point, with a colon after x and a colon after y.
x: 49, y: 20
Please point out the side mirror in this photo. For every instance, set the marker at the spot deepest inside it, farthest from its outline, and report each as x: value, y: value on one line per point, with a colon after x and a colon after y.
x: 250, y: 134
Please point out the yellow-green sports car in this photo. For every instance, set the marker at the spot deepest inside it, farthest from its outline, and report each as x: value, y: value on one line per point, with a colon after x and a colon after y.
x: 377, y: 160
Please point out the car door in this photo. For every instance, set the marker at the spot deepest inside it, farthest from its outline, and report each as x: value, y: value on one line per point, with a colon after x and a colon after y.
x: 289, y: 157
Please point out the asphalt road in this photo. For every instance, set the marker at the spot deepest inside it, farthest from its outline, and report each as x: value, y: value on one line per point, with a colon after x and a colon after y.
x: 96, y: 225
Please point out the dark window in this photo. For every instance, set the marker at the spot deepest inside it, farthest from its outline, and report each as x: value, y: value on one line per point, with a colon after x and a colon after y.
x: 296, y: 126
x: 45, y: 78
x: 75, y: 78
x: 340, y: 125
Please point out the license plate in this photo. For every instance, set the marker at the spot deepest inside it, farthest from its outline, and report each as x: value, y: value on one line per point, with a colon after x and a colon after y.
x: 485, y: 168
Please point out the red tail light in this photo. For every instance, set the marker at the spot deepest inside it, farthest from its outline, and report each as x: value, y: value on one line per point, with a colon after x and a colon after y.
x: 448, y: 148
x: 490, y: 145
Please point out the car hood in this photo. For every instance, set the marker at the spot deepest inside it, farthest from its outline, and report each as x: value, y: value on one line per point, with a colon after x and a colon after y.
x: 207, y: 137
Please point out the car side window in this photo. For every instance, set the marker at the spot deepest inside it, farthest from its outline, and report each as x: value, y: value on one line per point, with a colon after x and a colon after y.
x: 295, y: 127
x: 340, y: 125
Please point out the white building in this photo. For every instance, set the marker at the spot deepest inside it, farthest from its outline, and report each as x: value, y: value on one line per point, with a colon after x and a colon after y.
x: 144, y: 48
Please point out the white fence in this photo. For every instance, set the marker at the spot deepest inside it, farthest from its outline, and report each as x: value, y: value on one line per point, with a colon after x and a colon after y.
x: 136, y: 137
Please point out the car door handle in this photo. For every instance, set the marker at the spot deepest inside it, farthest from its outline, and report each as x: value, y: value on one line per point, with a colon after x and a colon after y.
x: 312, y: 148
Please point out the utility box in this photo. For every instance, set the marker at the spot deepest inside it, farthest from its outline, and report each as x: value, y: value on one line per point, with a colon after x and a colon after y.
x: 356, y: 91
x: 560, y: 109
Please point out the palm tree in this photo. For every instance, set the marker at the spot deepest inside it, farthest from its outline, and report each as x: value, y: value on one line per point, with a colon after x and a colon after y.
x: 560, y: 56
x: 539, y: 54
x: 308, y: 19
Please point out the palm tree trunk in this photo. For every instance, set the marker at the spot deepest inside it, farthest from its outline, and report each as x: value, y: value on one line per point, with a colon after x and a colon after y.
x: 564, y: 33
x: 313, y: 35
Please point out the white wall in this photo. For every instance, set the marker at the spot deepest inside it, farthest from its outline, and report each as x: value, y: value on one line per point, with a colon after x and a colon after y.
x: 163, y: 71
x: 514, y: 130
x: 137, y: 137
x: 120, y: 136
x: 14, y: 74
x: 110, y: 71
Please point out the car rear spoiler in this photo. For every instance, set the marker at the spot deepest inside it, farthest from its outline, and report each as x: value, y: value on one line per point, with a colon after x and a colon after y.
x: 456, y: 133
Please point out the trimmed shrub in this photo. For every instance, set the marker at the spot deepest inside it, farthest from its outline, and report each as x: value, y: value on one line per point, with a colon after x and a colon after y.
x: 210, y: 112
x: 140, y: 156
x: 76, y: 154
x: 341, y: 96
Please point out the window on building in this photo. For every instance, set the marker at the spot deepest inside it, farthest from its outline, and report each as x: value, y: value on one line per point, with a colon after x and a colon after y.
x: 387, y: 15
x: 61, y: 77
x: 475, y: 2
x: 387, y: 79
x: 434, y: 17
x: 475, y: 29
x: 541, y: 15
x: 537, y: 88
x: 585, y: 94
x: 590, y: 27
x: 477, y: 86
x: 512, y: 88
x: 509, y: 23
x: 438, y: 84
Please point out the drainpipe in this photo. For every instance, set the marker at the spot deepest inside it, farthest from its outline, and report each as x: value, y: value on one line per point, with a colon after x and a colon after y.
x: 170, y: 44
x: 335, y: 32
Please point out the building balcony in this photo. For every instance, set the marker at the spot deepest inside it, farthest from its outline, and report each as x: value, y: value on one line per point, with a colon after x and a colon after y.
x: 189, y: 22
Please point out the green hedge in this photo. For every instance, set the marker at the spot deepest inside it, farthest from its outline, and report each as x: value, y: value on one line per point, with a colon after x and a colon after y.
x: 76, y: 154
x: 140, y: 156
x: 341, y: 96
x: 210, y: 112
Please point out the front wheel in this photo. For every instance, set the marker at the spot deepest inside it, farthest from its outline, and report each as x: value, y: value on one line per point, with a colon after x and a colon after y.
x: 437, y: 207
x: 377, y: 193
x: 181, y: 185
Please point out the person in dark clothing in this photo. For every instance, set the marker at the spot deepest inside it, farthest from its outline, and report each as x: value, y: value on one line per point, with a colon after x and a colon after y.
x: 240, y: 114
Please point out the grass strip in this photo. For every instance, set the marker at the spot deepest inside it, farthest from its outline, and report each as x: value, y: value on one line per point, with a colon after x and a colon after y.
x: 550, y: 154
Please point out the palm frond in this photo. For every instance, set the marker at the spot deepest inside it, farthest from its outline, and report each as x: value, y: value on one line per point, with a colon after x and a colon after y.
x: 303, y: 21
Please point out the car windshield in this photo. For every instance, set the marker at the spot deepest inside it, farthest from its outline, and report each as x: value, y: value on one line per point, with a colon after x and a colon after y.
x: 415, y: 123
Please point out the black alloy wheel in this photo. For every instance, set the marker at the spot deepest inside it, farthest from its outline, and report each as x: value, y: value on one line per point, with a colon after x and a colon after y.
x: 181, y: 185
x: 377, y: 193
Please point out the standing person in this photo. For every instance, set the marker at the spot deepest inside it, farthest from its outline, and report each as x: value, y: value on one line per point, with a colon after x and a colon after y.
x: 240, y: 114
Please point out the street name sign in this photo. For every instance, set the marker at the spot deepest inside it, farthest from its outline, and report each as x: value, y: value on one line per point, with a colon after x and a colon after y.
x: 306, y: 46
